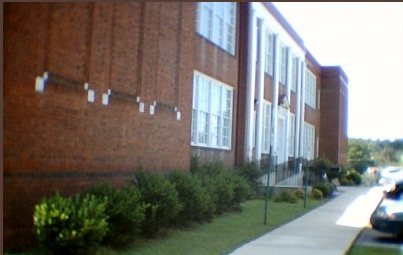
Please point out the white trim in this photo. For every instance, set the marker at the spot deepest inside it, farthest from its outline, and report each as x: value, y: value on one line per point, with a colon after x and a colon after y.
x: 206, y: 111
x: 260, y: 89
x: 219, y: 26
x: 250, y: 93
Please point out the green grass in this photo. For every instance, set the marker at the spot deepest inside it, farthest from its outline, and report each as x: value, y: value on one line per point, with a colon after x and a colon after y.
x: 220, y: 236
x: 224, y: 233
x: 366, y: 250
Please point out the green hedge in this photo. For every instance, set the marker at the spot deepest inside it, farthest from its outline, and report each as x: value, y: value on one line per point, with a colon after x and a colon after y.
x: 316, y: 194
x: 286, y: 195
x: 326, y: 188
x: 70, y: 226
x: 151, y: 202
x: 195, y: 199
x: 158, y: 192
x: 125, y: 210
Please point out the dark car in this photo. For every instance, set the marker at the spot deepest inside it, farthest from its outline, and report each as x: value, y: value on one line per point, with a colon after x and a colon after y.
x: 388, y: 215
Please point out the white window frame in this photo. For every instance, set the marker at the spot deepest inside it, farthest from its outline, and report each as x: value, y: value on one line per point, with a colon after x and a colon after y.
x: 291, y: 142
x: 266, y: 127
x: 294, y: 73
x: 309, y: 141
x: 283, y: 64
x: 269, y: 53
x: 211, y: 112
x: 216, y: 21
x: 310, y: 89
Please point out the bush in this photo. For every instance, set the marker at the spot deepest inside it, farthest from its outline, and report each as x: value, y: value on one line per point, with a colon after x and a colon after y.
x: 226, y: 189
x: 299, y: 193
x: 251, y: 172
x: 242, y: 191
x: 70, y: 226
x: 326, y: 188
x: 195, y: 165
x: 354, y: 176
x: 321, y: 165
x: 215, y: 178
x: 316, y: 194
x: 126, y: 213
x: 161, y: 195
x: 285, y: 196
x: 223, y: 189
x: 346, y: 182
x: 195, y: 199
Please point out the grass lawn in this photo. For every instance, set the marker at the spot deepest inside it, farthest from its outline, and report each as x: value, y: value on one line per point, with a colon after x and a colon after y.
x: 366, y: 250
x: 225, y: 233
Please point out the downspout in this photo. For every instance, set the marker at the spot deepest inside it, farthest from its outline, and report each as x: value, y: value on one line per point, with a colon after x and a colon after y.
x: 250, y: 92
x: 260, y: 89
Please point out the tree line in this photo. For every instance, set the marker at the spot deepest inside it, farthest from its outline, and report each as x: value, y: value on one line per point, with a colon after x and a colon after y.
x: 380, y: 153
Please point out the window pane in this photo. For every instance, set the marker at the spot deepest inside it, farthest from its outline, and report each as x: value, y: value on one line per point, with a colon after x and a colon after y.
x: 212, y: 113
x: 266, y: 127
x: 216, y: 22
x: 202, y: 127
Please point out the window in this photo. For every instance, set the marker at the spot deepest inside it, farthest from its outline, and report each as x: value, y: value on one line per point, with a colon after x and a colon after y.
x: 283, y: 64
x: 291, y: 143
x: 211, y: 113
x: 216, y: 22
x: 309, y: 141
x: 266, y: 127
x: 269, y: 51
x: 310, y: 89
x: 294, y: 73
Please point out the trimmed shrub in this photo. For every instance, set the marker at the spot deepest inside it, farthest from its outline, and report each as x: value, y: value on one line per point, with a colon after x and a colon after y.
x: 223, y: 189
x: 242, y: 191
x: 226, y: 189
x: 316, y: 194
x: 326, y: 188
x: 321, y: 165
x: 195, y: 199
x: 354, y: 176
x: 346, y: 182
x: 158, y: 192
x: 70, y: 226
x: 125, y: 211
x: 195, y: 165
x: 251, y: 172
x: 285, y: 196
x: 299, y: 193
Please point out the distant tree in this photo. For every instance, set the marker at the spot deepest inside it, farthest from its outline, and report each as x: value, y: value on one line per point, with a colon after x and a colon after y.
x: 358, y: 149
x: 359, y: 155
x: 362, y: 153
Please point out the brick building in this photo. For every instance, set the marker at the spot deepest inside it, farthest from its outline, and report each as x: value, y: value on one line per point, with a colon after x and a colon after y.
x: 334, y: 98
x: 94, y: 90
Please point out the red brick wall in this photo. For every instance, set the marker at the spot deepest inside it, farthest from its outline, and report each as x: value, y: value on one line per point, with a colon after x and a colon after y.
x: 312, y: 116
x: 223, y: 66
x: 334, y: 98
x: 56, y: 140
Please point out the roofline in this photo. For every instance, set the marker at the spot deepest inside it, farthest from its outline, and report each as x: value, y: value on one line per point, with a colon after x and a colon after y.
x: 339, y: 68
x: 284, y: 23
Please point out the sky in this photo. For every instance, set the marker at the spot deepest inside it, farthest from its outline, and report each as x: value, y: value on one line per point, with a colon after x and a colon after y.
x: 366, y: 40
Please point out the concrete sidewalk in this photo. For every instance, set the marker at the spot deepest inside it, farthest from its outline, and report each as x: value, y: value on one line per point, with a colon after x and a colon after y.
x: 330, y: 229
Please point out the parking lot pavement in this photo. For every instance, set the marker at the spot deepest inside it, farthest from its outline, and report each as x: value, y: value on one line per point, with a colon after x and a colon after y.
x: 373, y: 238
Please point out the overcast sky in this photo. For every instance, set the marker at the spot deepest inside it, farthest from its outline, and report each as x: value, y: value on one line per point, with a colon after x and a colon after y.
x: 366, y: 40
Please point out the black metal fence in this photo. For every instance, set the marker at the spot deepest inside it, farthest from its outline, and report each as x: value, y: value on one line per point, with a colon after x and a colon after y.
x: 289, y: 173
